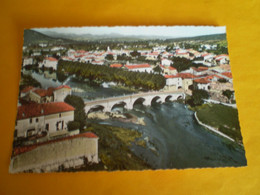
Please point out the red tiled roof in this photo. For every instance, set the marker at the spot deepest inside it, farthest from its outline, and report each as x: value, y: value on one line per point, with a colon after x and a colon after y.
x: 221, y: 56
x: 23, y: 149
x: 227, y: 74
x: 62, y: 86
x: 26, y: 89
x: 44, y: 92
x: 134, y: 66
x: 116, y: 65
x: 187, y: 75
x: 171, y: 76
x: 202, y: 80
x: 34, y: 110
x: 51, y: 59
x: 199, y: 69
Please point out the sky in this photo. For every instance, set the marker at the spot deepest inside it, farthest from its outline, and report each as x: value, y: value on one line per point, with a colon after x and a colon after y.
x: 171, y: 31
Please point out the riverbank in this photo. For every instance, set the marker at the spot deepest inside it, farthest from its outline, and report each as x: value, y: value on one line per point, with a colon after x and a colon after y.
x: 114, y: 147
x: 221, y: 118
x: 128, y: 118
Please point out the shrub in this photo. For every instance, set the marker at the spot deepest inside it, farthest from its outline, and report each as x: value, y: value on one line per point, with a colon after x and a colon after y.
x: 73, y: 125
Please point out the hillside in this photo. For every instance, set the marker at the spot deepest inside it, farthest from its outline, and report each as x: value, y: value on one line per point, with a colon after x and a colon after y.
x: 214, y: 37
x: 33, y: 37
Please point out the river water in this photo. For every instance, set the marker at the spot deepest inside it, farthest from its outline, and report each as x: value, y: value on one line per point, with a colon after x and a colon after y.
x: 174, y: 139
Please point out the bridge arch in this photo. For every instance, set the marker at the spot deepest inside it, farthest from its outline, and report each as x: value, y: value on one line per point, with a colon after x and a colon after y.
x: 168, y: 98
x: 96, y: 108
x: 155, y: 99
x: 118, y: 105
x: 139, y: 100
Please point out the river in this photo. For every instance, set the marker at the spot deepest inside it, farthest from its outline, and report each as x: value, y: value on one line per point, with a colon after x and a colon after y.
x: 173, y: 137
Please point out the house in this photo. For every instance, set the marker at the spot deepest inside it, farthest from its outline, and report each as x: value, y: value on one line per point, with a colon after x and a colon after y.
x: 228, y: 76
x: 173, y: 82
x: 54, y: 155
x: 51, y: 94
x: 166, y: 62
x: 182, y: 53
x: 187, y: 80
x: 50, y: 62
x: 169, y: 70
x: 34, y: 119
x: 222, y: 59
x: 152, y: 56
x: 199, y: 71
x: 202, y: 83
x: 139, y: 68
x: 27, y: 61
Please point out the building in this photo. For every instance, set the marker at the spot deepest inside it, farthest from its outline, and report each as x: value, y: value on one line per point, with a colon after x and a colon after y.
x: 168, y: 70
x: 34, y: 119
x: 50, y: 62
x: 173, y: 82
x: 51, y: 94
x: 202, y: 83
x: 55, y: 155
x: 222, y: 59
x: 139, y: 68
x: 27, y: 61
x: 166, y: 62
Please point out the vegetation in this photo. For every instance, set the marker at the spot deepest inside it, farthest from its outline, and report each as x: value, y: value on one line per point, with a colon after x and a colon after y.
x: 28, y: 80
x: 79, y: 113
x: 222, y: 80
x: 73, y: 125
x: 183, y: 64
x: 228, y: 93
x: 197, y: 97
x: 114, y: 143
x: 104, y: 73
x: 224, y: 118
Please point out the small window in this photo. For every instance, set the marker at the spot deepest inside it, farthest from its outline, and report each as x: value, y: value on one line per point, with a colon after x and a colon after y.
x: 30, y: 120
x: 36, y: 120
x: 60, y: 115
x: 47, y: 127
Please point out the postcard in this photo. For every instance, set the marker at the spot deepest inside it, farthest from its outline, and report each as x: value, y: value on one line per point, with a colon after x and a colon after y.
x: 126, y: 98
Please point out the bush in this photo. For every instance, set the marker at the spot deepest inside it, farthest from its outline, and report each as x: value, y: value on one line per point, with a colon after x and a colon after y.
x: 73, y: 125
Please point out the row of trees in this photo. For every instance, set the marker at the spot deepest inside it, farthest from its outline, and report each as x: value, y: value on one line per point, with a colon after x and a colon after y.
x: 138, y: 80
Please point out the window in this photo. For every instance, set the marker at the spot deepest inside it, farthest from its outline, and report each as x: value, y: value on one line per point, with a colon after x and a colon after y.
x: 36, y: 120
x: 30, y: 120
x: 60, y: 115
x: 47, y: 127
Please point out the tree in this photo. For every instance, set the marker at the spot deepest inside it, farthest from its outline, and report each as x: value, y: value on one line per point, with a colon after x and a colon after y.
x: 135, y: 53
x: 109, y: 57
x: 222, y: 80
x: 79, y: 105
x: 198, y: 96
x: 228, y: 93
x: 157, y: 69
x: 73, y: 125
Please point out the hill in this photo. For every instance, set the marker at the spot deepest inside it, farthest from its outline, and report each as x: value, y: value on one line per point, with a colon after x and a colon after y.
x: 214, y: 37
x: 33, y: 37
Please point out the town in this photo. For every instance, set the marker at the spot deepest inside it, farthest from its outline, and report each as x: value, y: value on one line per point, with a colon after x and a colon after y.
x: 52, y: 122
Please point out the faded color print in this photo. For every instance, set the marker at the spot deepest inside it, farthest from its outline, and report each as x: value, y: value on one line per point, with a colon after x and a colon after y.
x: 126, y: 98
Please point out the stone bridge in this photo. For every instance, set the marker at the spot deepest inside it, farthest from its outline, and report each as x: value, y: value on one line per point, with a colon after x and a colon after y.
x: 128, y: 101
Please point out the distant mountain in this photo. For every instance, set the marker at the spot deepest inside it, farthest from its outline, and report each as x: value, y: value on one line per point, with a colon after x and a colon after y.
x: 34, y: 37
x: 104, y: 37
x: 213, y: 37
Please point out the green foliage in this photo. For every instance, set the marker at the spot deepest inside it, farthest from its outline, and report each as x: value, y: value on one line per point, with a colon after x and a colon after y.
x: 222, y: 80
x: 28, y: 80
x: 109, y: 57
x: 228, y: 93
x: 123, y: 57
x: 114, y: 150
x: 222, y: 117
x: 182, y: 63
x: 157, y: 69
x: 135, y: 53
x: 197, y: 97
x: 73, y: 125
x: 104, y: 73
x: 79, y: 113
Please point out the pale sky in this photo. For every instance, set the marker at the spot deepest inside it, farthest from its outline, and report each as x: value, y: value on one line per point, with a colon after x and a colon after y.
x: 172, y: 31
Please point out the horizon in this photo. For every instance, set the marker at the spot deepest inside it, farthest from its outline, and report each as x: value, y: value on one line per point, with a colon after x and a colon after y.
x: 163, y: 31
